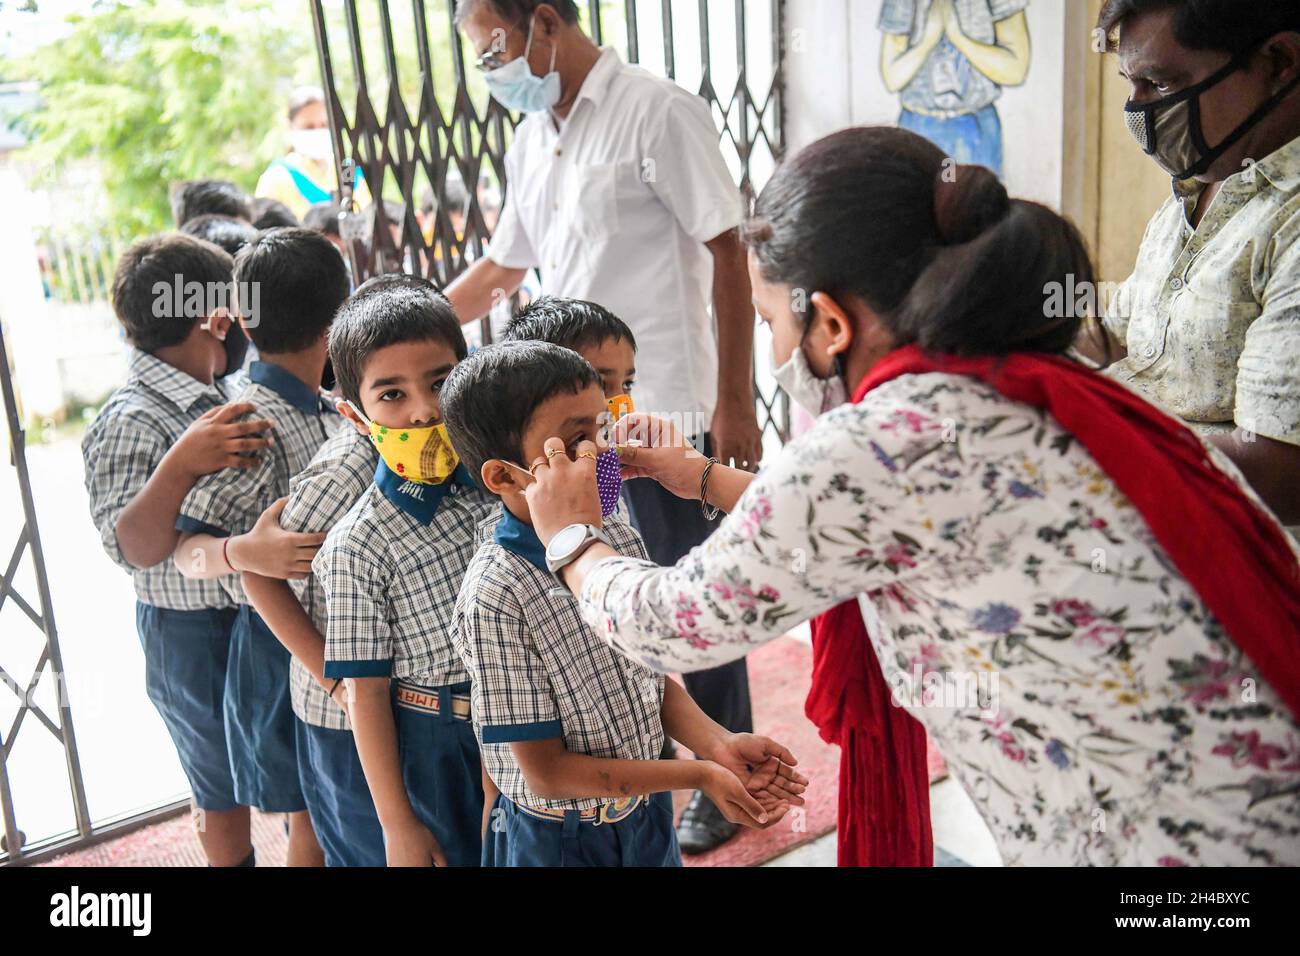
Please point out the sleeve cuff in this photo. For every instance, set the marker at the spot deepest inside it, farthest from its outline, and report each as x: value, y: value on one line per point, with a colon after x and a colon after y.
x: 519, y: 733
x: 339, y: 669
x: 195, y: 526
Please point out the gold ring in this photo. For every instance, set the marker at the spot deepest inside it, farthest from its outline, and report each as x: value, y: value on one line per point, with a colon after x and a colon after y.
x: 552, y: 452
x: 587, y: 454
x: 537, y: 464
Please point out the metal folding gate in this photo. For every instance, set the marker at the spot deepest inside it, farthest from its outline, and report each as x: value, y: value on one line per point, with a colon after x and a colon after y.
x: 439, y: 165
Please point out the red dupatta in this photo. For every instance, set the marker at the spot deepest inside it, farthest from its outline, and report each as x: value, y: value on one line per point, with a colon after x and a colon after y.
x: 1230, y: 550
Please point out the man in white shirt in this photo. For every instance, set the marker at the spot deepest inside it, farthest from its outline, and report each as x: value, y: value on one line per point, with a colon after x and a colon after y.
x: 617, y: 193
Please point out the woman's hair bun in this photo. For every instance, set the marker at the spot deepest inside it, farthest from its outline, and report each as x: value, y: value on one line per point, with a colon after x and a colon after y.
x: 967, y: 201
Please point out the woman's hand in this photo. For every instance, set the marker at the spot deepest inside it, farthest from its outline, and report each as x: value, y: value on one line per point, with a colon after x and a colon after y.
x: 563, y: 492
x: 653, y: 448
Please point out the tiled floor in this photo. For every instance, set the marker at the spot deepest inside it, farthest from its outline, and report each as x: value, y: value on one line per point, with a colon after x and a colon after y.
x: 960, y: 836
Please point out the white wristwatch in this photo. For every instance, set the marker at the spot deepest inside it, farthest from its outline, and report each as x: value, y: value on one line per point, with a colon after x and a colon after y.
x: 571, y: 543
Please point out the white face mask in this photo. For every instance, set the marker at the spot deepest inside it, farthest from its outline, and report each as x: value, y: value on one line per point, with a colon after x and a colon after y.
x: 516, y: 87
x: 312, y: 143
x: 814, y: 395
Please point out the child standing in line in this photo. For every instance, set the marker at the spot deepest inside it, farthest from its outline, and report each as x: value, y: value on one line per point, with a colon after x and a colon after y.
x: 391, y: 570
x: 291, y: 282
x: 571, y: 732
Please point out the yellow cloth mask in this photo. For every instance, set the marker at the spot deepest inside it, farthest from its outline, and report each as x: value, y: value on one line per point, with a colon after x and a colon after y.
x: 422, y: 455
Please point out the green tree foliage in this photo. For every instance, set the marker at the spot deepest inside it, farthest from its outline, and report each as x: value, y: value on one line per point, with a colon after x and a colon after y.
x: 158, y: 91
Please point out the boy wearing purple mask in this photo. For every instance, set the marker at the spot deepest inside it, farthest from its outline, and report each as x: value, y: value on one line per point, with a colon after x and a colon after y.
x: 570, y: 732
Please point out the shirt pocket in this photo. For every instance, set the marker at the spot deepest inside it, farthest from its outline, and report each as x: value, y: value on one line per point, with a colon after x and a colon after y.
x: 594, y: 201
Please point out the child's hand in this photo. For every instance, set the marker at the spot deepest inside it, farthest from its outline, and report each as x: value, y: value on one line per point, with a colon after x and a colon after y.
x: 215, y: 441
x: 765, y: 767
x: 413, y: 845
x: 736, y: 803
x: 271, y: 551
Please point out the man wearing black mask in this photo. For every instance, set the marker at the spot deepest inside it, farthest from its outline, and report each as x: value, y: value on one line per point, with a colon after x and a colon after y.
x: 1208, y: 326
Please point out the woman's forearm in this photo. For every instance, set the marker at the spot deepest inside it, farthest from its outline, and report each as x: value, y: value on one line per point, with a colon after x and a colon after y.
x: 726, y: 487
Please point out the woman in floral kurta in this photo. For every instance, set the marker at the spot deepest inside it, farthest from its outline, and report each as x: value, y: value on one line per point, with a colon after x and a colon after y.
x: 1112, y: 722
x: 1018, y: 602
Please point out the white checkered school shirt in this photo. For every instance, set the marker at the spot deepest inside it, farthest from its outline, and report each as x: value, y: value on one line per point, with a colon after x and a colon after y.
x: 230, y: 502
x: 122, y: 449
x: 319, y: 497
x: 391, y: 583
x: 540, y: 672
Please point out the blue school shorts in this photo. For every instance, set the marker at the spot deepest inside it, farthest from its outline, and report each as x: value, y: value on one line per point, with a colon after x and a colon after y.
x: 442, y: 770
x: 259, y: 718
x: 185, y: 657
x: 338, y: 798
x: 645, y: 838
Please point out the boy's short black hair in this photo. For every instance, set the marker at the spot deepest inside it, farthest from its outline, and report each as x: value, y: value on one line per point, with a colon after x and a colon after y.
x: 489, y: 399
x: 300, y: 283
x: 572, y: 323
x: 323, y: 217
x: 519, y: 11
x: 1229, y: 26
x: 150, y: 268
x: 273, y: 214
x: 389, y: 310
x: 209, y: 197
x: 230, y: 234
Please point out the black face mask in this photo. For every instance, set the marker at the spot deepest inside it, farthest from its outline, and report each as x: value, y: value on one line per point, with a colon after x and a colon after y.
x: 328, y: 380
x: 1170, y: 129
x: 236, y: 345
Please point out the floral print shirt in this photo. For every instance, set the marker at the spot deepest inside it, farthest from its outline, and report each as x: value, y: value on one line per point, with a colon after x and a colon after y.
x: 1020, y: 608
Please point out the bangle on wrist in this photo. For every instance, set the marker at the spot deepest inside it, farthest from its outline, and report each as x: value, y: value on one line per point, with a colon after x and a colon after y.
x: 710, y: 513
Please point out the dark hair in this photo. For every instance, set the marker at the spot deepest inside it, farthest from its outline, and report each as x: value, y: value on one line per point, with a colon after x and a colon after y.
x: 209, y: 197
x: 572, y: 323
x: 1228, y: 25
x: 163, y: 260
x: 230, y: 234
x: 272, y: 214
x: 322, y: 217
x: 389, y: 310
x: 300, y: 283
x: 519, y: 11
x: 939, y: 251
x: 489, y: 399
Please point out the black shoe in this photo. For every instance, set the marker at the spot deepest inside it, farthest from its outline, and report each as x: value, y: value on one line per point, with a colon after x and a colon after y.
x: 703, y: 827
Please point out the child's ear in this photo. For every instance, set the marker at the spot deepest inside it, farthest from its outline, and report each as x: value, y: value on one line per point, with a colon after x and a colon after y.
x: 500, y: 479
x: 345, y: 409
x: 217, y: 324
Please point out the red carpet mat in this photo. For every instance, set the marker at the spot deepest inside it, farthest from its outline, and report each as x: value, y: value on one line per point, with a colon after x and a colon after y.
x: 779, y: 673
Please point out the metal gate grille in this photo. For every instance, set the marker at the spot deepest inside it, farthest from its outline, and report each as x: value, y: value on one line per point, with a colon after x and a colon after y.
x: 416, y: 120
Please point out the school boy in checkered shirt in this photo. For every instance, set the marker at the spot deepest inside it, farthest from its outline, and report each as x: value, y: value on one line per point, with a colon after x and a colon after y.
x: 329, y: 767
x: 291, y: 282
x: 570, y: 731
x: 391, y: 569
x: 170, y: 424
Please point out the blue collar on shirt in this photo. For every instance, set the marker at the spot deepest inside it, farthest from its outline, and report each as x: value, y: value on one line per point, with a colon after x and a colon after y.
x: 519, y: 538
x: 419, y: 501
x: 288, y: 387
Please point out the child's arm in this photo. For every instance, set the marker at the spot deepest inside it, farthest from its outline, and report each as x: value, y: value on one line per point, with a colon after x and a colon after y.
x: 267, y: 550
x: 764, y: 766
x: 146, y: 527
x: 279, y: 607
x: 554, y: 773
x: 407, y: 841
x: 490, y: 794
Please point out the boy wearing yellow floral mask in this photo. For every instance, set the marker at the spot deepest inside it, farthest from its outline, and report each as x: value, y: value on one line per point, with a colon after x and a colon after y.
x: 391, y: 569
